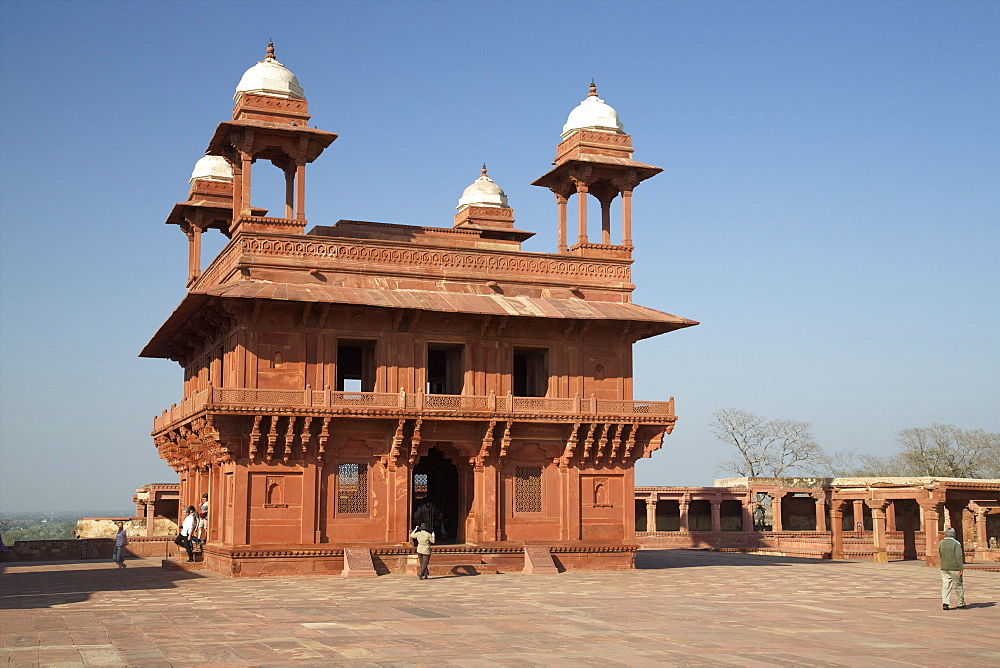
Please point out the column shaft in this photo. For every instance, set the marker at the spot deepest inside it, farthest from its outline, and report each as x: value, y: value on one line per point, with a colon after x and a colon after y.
x: 561, y: 207
x: 581, y: 196
x: 651, y: 514
x: 626, y: 218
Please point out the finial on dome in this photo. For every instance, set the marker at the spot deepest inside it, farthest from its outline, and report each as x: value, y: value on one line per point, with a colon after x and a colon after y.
x: 593, y: 89
x: 484, y: 169
x: 270, y: 51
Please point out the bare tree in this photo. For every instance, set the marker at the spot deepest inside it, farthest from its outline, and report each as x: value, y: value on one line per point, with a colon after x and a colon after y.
x: 938, y: 450
x: 765, y: 449
x: 947, y: 451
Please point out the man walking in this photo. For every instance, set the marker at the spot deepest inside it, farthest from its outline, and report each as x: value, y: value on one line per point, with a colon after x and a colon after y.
x: 952, y: 566
x: 424, y: 539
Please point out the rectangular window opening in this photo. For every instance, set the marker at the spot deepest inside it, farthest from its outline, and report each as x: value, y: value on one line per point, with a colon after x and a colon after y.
x: 444, y: 369
x: 355, y: 366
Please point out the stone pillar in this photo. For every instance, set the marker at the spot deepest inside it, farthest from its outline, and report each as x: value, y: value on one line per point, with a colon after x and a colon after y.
x: 682, y: 505
x: 289, y: 192
x: 581, y: 196
x: 606, y: 222
x: 651, y: 513
x: 194, y: 250
x: 878, y: 529
x: 932, y: 536
x: 561, y: 206
x: 748, y: 512
x: 626, y: 218
x: 858, y: 516
x: 716, y: 502
x: 982, y: 541
x: 820, y: 511
x: 890, y: 517
x: 150, y: 513
x: 837, y: 530
x: 246, y: 161
x: 776, y: 511
x: 300, y: 184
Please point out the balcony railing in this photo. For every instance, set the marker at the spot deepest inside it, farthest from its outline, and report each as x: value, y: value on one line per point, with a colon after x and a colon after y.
x: 224, y: 398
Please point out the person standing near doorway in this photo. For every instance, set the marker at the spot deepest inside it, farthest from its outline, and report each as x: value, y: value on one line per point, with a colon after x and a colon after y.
x: 952, y: 566
x: 424, y: 539
x: 187, y: 531
x: 121, y: 540
x: 203, y: 519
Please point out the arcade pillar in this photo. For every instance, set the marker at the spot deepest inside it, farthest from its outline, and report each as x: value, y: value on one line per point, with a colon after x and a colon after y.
x: 651, y: 513
x: 878, y: 507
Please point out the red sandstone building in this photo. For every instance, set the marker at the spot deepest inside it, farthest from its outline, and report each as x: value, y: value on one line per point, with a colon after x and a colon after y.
x: 343, y: 383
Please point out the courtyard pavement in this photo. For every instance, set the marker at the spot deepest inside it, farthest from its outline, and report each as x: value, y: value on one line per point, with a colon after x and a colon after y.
x: 685, y: 608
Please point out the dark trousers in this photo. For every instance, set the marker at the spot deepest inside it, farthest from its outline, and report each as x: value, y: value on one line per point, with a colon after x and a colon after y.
x: 425, y: 560
x: 186, y: 544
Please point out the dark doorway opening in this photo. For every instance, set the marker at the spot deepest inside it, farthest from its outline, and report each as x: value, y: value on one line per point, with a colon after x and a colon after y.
x: 436, y: 495
x: 530, y: 376
x: 907, y: 521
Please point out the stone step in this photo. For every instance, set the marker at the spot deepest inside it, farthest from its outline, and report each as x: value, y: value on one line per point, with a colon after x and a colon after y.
x: 182, y: 564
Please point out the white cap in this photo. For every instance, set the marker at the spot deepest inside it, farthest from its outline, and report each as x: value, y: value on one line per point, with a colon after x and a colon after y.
x: 212, y: 168
x: 270, y: 77
x: 483, y: 192
x: 593, y: 114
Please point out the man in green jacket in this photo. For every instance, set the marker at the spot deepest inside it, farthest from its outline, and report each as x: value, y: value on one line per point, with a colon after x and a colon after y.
x: 952, y: 565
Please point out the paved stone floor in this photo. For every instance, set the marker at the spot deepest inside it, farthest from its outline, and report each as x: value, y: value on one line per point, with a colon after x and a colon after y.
x: 681, y: 608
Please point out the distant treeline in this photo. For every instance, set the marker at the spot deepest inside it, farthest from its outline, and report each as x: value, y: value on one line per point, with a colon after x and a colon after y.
x: 53, y: 525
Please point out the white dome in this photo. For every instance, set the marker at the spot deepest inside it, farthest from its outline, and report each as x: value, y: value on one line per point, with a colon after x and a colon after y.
x: 483, y: 192
x: 212, y: 168
x: 270, y: 78
x: 593, y: 114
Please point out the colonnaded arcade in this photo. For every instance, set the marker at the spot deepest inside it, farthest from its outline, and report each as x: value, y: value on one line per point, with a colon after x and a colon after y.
x: 344, y: 383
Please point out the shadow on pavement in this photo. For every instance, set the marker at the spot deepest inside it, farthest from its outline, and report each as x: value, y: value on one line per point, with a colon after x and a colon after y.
x: 655, y: 559
x: 34, y: 584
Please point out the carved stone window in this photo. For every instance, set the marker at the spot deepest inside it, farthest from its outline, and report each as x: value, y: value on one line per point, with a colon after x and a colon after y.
x: 528, y: 489
x: 352, y: 489
x: 420, y: 483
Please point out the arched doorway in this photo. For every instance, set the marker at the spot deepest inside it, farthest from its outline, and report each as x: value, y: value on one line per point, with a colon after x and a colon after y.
x: 436, y: 496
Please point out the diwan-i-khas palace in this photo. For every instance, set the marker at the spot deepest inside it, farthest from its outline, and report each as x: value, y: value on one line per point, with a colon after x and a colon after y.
x: 348, y: 382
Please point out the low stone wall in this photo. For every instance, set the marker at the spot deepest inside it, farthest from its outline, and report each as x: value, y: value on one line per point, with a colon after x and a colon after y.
x: 59, y: 550
x: 810, y: 544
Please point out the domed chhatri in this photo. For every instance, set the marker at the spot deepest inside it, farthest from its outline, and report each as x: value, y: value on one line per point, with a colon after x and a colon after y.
x: 593, y: 114
x: 212, y: 168
x: 269, y: 77
x: 483, y: 192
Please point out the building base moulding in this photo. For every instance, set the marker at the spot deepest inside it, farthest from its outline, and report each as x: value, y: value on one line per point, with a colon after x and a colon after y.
x: 285, y: 560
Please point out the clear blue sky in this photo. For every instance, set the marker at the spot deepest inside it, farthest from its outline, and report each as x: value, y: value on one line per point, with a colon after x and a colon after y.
x: 828, y: 209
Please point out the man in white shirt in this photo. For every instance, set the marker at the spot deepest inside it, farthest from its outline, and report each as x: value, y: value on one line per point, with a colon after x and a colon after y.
x: 187, y: 530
